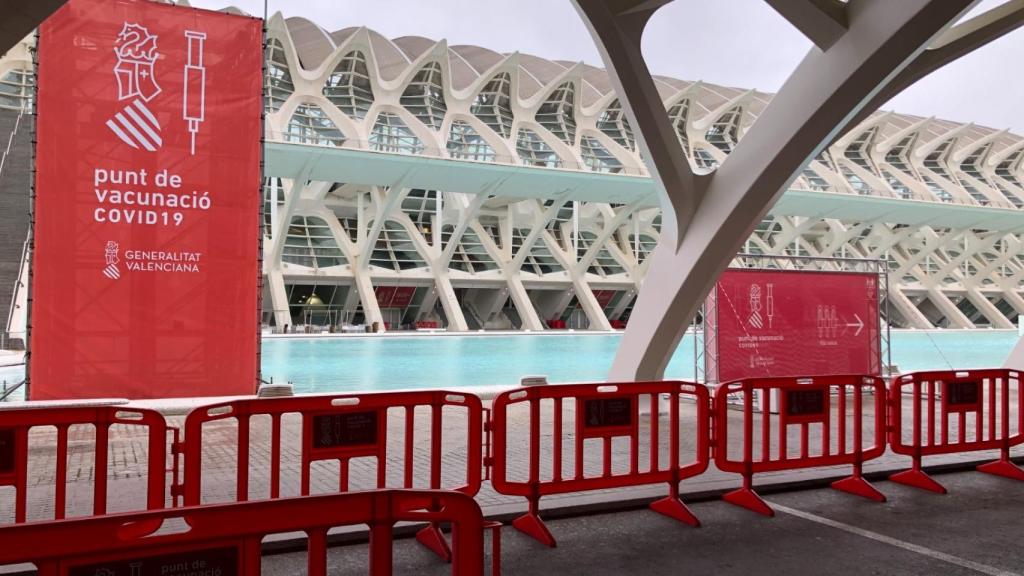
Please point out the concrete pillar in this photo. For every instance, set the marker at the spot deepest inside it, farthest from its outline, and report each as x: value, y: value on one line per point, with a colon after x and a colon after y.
x: 521, y: 299
x: 450, y: 303
x: 371, y: 310
x: 989, y: 310
x: 593, y: 310
x: 279, y: 298
x: 908, y: 310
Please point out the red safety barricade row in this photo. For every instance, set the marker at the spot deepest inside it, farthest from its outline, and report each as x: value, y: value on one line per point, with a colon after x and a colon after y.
x: 602, y: 414
x: 225, y: 539
x: 777, y: 416
x: 617, y: 438
x: 71, y: 425
x: 952, y: 412
x: 343, y: 429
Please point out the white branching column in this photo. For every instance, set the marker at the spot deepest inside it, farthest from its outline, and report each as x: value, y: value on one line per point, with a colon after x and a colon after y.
x: 859, y: 47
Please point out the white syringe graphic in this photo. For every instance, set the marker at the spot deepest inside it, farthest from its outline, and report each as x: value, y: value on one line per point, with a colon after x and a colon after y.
x: 194, y: 99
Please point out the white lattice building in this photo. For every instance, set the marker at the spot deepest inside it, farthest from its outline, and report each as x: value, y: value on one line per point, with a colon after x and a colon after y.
x: 411, y: 181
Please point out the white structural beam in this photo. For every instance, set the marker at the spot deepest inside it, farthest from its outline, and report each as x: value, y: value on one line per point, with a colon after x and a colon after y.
x: 706, y: 220
x: 822, y: 21
x: 539, y: 226
x: 384, y: 201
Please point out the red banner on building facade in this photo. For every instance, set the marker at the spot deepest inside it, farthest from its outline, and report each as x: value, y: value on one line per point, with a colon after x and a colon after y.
x: 794, y: 323
x: 145, y: 267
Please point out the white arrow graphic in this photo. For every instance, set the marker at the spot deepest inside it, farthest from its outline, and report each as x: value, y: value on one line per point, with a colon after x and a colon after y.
x: 859, y: 325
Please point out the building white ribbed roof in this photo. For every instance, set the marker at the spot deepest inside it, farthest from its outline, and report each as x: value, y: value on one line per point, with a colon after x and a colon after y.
x: 889, y: 154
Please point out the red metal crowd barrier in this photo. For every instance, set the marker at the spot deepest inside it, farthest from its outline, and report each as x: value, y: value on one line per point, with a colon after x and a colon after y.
x: 17, y: 424
x: 224, y: 539
x: 602, y: 413
x: 344, y: 427
x: 802, y: 402
x: 939, y: 405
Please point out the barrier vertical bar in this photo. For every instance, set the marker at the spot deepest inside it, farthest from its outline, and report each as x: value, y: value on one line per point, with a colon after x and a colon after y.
x: 745, y: 495
x: 530, y: 523
x: 275, y: 456
x: 316, y: 553
x: 556, y: 427
x: 671, y: 505
x: 242, y: 469
x: 99, y: 503
x: 61, y: 475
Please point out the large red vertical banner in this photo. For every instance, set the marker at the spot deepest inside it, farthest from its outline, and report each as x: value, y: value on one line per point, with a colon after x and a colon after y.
x: 145, y: 264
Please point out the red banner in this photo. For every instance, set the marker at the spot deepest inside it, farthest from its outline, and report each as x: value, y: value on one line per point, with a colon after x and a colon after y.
x: 786, y: 323
x: 145, y: 268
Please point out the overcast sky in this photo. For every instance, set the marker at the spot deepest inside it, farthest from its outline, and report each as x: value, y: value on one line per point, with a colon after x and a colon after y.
x: 741, y: 43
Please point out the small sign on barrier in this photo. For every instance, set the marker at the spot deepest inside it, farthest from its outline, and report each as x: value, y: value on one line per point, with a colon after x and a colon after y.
x: 7, y: 446
x: 805, y: 405
x: 348, y: 432
x: 220, y: 561
x: 962, y: 396
x: 608, y: 416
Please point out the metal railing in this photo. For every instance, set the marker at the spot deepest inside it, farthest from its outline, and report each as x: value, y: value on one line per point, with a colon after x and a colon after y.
x: 10, y: 140
x: 6, y: 391
x: 18, y: 287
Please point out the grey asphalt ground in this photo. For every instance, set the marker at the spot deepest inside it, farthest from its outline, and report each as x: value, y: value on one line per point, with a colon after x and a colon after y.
x: 975, y: 529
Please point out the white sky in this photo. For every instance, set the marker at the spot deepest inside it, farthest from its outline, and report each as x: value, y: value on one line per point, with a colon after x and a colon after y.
x: 741, y: 43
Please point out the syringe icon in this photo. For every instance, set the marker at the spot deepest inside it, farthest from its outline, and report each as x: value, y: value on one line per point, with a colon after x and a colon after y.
x: 194, y: 98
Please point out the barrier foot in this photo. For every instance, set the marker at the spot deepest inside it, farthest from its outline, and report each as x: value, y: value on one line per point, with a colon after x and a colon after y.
x: 858, y: 486
x: 1003, y: 468
x: 916, y: 478
x: 434, y: 540
x: 747, y: 498
x: 531, y: 525
x: 673, y: 507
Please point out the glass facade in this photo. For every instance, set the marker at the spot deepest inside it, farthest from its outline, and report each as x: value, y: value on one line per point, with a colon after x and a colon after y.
x: 557, y: 113
x: 424, y: 97
x: 597, y: 157
x: 391, y: 134
x: 16, y: 89
x: 348, y: 87
x: 614, y: 124
x: 534, y: 151
x: 465, y: 143
x: 279, y: 85
x: 493, y: 105
x: 310, y: 125
x: 311, y: 244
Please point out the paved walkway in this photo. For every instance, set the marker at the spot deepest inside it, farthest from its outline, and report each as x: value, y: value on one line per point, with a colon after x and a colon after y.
x: 975, y: 530
x: 128, y: 462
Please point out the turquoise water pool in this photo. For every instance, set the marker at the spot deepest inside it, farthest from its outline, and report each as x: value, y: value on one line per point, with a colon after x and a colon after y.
x: 387, y: 363
x: 339, y: 364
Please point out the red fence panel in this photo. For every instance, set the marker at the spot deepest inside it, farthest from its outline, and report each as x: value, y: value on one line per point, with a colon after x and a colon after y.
x: 602, y: 415
x: 70, y: 425
x: 225, y: 538
x: 352, y: 430
x: 850, y: 430
x: 956, y: 411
